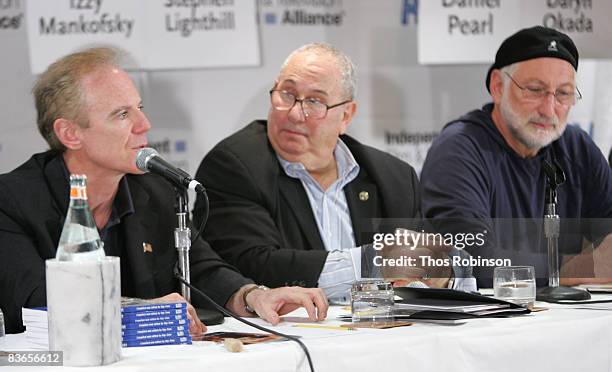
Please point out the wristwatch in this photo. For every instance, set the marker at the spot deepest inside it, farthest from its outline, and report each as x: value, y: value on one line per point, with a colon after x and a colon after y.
x: 245, y: 294
x: 451, y: 280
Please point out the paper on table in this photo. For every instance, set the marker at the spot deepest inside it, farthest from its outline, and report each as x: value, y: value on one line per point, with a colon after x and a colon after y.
x: 37, y: 328
x: 299, y: 326
x: 430, y: 305
x: 346, y: 317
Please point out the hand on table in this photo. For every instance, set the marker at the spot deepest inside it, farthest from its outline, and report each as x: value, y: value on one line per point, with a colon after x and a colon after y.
x: 271, y: 304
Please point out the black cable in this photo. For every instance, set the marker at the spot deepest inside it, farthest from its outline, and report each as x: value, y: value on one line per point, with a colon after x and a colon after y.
x: 582, y: 302
x: 240, y: 319
x: 221, y: 308
x: 204, y: 216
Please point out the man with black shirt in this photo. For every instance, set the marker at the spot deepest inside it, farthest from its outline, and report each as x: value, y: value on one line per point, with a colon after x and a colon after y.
x: 90, y: 113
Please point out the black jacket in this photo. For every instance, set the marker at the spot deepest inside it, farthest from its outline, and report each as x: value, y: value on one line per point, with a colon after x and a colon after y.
x: 33, y: 204
x: 261, y: 220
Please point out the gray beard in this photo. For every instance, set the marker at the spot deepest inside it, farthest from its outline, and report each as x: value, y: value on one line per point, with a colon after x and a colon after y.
x: 520, y: 129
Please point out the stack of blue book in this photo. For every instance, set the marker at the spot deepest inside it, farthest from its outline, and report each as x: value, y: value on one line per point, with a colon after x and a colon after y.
x: 145, y: 323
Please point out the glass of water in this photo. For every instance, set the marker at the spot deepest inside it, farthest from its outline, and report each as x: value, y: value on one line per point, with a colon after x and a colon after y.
x: 515, y: 284
x: 372, y: 300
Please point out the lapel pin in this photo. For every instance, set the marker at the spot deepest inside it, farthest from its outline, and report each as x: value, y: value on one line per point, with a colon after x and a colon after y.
x: 364, y: 196
x: 147, y: 248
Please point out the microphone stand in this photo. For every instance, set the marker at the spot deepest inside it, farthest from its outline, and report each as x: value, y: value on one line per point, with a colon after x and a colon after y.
x: 182, y: 240
x: 552, y: 225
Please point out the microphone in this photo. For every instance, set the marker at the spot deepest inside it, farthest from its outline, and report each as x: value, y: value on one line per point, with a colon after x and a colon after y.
x: 148, y: 160
x: 554, y: 173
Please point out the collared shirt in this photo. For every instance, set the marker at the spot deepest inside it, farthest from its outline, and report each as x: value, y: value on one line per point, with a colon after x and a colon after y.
x: 333, y: 218
x: 112, y: 234
x: 330, y: 208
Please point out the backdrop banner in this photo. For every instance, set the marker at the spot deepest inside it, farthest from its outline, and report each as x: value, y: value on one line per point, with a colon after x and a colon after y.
x: 402, y: 104
x: 159, y: 34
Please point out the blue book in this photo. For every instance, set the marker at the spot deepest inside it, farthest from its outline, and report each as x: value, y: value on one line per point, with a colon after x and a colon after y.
x: 155, y: 318
x: 145, y: 331
x: 163, y: 341
x: 153, y: 324
x: 155, y: 336
x: 135, y: 304
x: 153, y: 313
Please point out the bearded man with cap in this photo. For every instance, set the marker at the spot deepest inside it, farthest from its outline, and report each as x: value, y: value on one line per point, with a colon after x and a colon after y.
x: 489, y: 164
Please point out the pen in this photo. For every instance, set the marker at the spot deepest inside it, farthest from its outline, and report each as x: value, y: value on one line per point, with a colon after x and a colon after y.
x: 321, y: 326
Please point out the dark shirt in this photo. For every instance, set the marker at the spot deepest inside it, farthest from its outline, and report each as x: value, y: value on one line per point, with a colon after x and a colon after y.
x: 471, y: 173
x: 33, y: 204
x: 112, y: 233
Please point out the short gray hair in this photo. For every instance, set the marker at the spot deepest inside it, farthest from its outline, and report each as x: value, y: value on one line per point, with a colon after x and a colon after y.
x: 509, y: 70
x: 345, y: 65
x: 58, y: 92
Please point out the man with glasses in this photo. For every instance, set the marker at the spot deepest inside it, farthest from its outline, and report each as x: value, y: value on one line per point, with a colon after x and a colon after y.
x: 291, y: 197
x: 490, y: 163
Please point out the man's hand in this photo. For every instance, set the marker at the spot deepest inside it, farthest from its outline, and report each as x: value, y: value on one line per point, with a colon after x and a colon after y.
x: 417, y: 252
x: 271, y: 304
x: 196, y: 327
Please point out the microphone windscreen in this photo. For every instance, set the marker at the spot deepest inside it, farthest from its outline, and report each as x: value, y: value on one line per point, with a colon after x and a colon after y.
x: 143, y: 157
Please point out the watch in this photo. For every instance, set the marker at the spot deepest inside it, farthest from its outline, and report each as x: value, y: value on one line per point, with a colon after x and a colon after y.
x: 245, y: 294
x: 451, y: 280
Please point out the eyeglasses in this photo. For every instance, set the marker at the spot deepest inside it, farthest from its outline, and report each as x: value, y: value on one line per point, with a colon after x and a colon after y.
x: 311, y: 107
x: 564, y: 97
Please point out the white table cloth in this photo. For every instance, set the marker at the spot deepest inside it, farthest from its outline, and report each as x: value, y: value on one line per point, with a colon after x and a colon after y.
x: 560, y: 339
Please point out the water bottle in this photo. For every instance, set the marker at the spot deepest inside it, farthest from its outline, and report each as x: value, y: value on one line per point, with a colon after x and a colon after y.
x: 80, y: 240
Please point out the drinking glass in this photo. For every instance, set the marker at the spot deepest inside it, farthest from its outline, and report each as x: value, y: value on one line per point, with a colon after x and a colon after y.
x: 372, y: 300
x: 515, y: 284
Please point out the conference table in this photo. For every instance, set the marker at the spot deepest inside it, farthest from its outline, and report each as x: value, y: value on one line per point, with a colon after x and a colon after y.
x: 562, y: 338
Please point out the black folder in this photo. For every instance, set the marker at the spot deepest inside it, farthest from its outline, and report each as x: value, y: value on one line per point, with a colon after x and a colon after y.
x: 450, y: 298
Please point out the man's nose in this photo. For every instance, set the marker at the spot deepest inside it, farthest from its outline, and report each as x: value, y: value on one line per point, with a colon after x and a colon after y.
x: 296, y: 113
x: 548, y: 105
x: 142, y: 124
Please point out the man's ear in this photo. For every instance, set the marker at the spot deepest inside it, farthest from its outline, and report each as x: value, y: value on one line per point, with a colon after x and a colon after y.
x: 496, y: 86
x: 68, y: 132
x: 347, y: 116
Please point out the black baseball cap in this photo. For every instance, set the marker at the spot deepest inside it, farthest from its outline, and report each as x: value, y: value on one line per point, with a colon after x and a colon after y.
x: 534, y: 42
